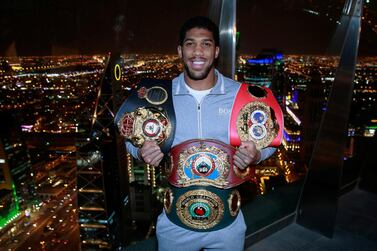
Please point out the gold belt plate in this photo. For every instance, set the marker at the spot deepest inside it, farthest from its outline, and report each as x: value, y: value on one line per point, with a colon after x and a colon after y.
x: 200, y: 209
x: 145, y: 124
x: 255, y: 122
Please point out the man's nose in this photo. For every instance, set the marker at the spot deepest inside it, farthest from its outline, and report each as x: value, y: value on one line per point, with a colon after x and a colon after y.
x: 198, y: 50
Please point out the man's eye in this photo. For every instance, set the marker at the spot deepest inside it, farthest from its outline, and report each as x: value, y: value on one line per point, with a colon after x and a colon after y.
x: 189, y: 44
x: 207, y: 44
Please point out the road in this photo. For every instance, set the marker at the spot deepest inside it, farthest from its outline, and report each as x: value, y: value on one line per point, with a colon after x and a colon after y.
x: 53, y: 228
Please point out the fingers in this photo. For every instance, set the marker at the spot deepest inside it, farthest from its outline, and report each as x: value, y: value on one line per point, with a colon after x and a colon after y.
x: 148, y: 148
x: 154, y: 158
x: 246, y: 154
x: 242, y: 158
x: 239, y: 162
x: 151, y: 153
x: 156, y: 161
x: 248, y: 145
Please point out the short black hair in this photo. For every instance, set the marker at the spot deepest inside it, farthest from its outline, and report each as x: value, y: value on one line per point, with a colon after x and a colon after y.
x: 199, y: 22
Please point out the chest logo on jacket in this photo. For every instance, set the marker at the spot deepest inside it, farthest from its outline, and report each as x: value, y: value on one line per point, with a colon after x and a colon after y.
x: 224, y: 111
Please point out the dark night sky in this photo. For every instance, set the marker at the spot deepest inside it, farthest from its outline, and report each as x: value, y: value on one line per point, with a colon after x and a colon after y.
x: 45, y: 27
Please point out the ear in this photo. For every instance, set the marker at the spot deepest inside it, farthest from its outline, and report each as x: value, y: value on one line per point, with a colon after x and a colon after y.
x: 179, y: 50
x: 217, y: 51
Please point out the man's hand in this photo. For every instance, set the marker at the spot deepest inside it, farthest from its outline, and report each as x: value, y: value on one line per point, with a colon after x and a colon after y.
x: 151, y: 153
x: 246, y: 154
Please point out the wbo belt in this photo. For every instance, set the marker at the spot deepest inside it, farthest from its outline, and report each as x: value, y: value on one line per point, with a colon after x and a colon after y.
x: 205, y: 162
x: 201, y: 209
x: 256, y: 116
x: 148, y: 114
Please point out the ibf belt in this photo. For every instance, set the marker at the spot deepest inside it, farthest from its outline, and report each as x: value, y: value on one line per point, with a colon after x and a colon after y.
x: 205, y: 162
x: 148, y: 114
x: 256, y: 116
x: 202, y: 208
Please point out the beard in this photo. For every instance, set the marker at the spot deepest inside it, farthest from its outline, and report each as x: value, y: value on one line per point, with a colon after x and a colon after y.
x: 198, y: 75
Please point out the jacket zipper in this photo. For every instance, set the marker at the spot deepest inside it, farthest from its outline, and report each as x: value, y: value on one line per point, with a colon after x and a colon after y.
x: 200, y: 134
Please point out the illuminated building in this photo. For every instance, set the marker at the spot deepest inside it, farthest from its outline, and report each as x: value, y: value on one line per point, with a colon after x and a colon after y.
x: 17, y: 189
x: 267, y: 69
x: 93, y: 213
x: 363, y: 116
x: 261, y: 69
x: 9, y: 205
x: 102, y: 181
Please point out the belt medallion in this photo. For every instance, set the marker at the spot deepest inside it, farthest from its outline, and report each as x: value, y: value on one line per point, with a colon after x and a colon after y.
x: 200, y: 209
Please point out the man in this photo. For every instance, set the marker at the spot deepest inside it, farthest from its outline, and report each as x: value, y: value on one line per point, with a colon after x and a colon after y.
x: 203, y: 99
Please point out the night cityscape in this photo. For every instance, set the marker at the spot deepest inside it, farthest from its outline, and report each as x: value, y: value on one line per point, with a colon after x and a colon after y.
x: 66, y: 180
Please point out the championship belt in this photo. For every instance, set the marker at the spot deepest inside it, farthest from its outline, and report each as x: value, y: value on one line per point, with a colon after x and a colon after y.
x: 205, y: 162
x: 256, y: 116
x: 148, y: 114
x: 201, y: 209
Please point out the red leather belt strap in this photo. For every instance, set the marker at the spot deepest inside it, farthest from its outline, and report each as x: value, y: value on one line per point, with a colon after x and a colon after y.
x: 256, y: 116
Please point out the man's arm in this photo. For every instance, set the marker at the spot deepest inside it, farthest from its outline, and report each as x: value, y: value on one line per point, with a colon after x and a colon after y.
x: 134, y: 151
x: 266, y: 153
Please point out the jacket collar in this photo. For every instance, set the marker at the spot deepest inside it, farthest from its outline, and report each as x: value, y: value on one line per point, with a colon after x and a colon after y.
x: 217, y: 89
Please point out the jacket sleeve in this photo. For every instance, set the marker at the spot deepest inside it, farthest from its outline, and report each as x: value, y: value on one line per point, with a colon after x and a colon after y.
x: 132, y: 150
x: 266, y: 153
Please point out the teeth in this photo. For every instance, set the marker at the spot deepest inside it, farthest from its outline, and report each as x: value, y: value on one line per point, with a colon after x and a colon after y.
x: 198, y: 63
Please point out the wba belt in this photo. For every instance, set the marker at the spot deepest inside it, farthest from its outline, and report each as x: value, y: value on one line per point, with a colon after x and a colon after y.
x: 256, y: 116
x: 201, y: 208
x: 205, y: 162
x: 148, y: 114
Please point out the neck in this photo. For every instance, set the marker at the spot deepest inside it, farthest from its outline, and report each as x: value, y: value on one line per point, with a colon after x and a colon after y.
x: 202, y: 84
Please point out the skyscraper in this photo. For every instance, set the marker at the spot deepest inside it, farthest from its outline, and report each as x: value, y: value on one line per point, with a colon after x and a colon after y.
x: 267, y: 69
x: 17, y: 190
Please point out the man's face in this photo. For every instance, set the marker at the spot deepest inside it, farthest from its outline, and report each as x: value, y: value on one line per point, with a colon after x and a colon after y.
x: 198, y: 53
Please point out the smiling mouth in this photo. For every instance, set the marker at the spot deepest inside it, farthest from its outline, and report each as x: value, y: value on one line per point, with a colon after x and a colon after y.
x: 197, y: 64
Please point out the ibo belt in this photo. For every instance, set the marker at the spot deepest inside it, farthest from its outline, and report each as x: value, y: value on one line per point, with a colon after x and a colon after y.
x: 202, y: 208
x: 205, y: 162
x: 256, y: 116
x: 148, y: 114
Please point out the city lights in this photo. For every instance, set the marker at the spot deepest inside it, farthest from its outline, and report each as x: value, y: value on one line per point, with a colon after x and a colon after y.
x: 58, y: 108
